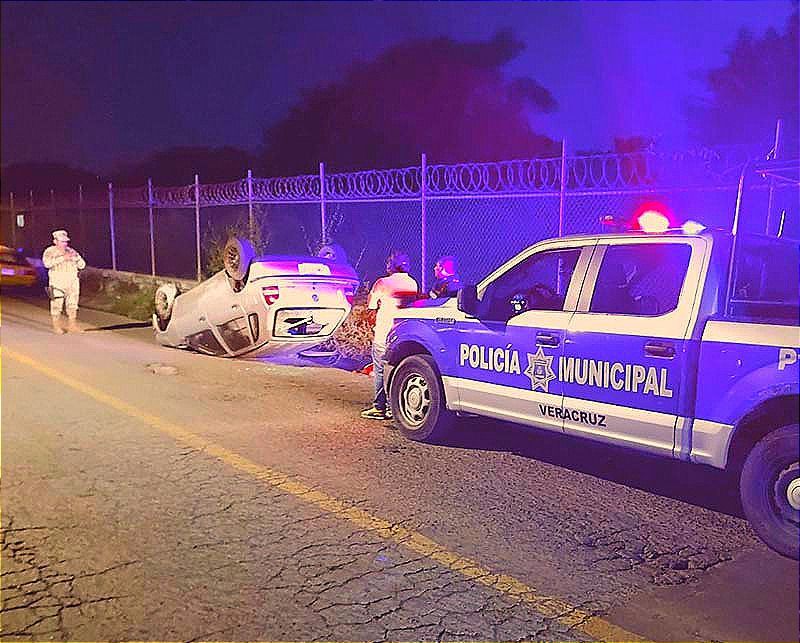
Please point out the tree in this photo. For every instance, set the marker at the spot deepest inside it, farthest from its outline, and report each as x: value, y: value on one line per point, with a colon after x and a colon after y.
x: 43, y: 177
x: 757, y: 86
x: 446, y: 98
x: 178, y: 165
x: 633, y: 144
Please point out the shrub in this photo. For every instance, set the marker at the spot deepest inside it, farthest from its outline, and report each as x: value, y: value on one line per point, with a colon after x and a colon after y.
x: 136, y: 302
x: 354, y: 337
x: 117, y: 295
x: 214, y: 240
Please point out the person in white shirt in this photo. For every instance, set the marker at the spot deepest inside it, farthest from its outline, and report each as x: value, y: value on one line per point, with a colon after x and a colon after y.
x: 386, y: 296
x: 63, y: 264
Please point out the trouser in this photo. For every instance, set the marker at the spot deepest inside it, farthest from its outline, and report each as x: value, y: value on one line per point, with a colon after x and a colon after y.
x: 378, y: 353
x: 65, y: 295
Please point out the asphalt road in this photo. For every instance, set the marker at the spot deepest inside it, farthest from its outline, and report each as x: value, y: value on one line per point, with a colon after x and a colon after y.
x: 244, y: 500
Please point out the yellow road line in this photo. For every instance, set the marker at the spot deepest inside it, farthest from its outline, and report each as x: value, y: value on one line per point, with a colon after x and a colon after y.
x: 562, y: 612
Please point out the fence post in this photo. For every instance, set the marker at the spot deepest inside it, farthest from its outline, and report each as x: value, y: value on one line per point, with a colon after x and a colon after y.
x: 775, y: 153
x: 563, y: 181
x: 13, y: 220
x: 197, y: 223
x: 251, y: 224
x: 323, y: 220
x: 152, y: 235
x: 30, y: 207
x: 53, y: 208
x: 424, y: 220
x: 81, y: 219
x: 111, y: 226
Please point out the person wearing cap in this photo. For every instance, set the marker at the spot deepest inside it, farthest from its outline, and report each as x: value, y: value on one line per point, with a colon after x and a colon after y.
x: 63, y: 263
x: 447, y: 283
x: 385, y: 298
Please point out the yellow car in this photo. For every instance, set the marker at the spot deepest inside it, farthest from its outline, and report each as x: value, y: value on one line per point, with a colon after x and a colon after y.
x: 14, y: 270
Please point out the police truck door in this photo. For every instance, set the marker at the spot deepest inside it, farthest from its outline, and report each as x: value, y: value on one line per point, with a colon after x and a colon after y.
x: 507, y: 357
x: 626, y: 349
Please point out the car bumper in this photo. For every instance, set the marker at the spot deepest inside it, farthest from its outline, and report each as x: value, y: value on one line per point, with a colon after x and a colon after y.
x: 27, y: 281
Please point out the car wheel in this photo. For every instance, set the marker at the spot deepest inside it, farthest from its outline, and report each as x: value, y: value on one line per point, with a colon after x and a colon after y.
x: 770, y: 490
x: 164, y: 301
x: 237, y: 255
x: 417, y: 400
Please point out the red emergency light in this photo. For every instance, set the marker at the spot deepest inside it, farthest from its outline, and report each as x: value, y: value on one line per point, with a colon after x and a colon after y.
x: 652, y: 216
x: 652, y: 221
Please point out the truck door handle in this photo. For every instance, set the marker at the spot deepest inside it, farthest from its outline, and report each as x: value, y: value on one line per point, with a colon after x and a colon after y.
x: 546, y: 339
x: 660, y: 349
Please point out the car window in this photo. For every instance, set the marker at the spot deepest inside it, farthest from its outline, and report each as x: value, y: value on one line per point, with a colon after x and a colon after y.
x: 641, y: 279
x: 12, y: 258
x: 539, y: 282
x: 235, y: 334
x: 205, y: 342
x: 765, y: 282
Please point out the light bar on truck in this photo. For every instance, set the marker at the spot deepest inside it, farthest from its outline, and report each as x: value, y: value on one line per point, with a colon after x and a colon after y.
x: 692, y: 227
x: 653, y: 221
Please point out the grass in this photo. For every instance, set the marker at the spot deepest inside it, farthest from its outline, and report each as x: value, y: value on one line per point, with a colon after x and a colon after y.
x: 119, y: 296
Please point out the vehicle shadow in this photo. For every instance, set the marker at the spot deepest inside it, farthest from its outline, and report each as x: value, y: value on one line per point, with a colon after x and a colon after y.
x: 120, y: 326
x: 698, y: 485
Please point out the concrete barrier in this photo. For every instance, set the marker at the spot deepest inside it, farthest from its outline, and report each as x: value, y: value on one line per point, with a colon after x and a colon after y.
x: 142, y: 279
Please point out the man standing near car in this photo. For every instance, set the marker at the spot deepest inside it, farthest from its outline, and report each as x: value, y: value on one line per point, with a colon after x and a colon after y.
x: 63, y: 263
x: 386, y: 296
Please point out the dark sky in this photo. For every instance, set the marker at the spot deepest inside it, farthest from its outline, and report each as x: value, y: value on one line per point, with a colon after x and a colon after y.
x: 96, y: 84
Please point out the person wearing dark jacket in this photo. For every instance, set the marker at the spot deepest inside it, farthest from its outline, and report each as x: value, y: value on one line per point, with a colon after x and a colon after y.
x: 447, y: 283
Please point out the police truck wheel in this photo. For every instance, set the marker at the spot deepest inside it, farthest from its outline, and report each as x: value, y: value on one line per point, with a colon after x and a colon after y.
x: 236, y: 256
x: 770, y: 490
x: 417, y: 400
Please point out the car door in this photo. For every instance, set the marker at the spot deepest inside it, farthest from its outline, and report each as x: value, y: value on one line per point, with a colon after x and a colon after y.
x: 627, y: 345
x: 508, y: 357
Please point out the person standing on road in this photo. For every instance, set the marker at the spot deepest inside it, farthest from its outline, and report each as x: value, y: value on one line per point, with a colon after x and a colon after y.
x: 386, y: 296
x: 63, y: 263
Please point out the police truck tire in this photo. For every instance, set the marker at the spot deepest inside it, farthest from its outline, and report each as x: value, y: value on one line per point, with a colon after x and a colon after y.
x: 236, y: 256
x: 417, y: 400
x: 770, y: 490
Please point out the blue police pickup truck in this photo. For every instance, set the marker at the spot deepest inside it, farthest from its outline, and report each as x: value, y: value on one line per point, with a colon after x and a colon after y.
x: 681, y: 345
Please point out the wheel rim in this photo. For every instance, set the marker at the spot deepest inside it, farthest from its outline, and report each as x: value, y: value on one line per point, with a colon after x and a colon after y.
x: 787, y: 493
x: 415, y: 400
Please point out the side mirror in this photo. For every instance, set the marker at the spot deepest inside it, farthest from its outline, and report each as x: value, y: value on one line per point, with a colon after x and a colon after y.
x: 468, y: 300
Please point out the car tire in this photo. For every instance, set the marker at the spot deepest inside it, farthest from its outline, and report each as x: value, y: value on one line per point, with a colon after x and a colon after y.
x: 416, y: 397
x: 237, y: 256
x: 164, y: 302
x: 771, y: 473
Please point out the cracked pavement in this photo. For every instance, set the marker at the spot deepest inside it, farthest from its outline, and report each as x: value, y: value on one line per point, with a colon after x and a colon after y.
x: 112, y: 530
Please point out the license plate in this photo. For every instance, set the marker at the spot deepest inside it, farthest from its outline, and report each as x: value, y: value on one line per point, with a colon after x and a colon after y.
x: 306, y: 322
x: 313, y: 269
x: 9, y: 271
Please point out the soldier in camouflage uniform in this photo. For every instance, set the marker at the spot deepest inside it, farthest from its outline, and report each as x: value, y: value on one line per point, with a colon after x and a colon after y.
x: 63, y: 264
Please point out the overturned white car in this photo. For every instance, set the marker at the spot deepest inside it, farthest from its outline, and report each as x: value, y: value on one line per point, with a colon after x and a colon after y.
x: 257, y: 305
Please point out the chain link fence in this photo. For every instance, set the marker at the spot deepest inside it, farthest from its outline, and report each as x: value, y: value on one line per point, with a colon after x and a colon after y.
x: 482, y: 213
